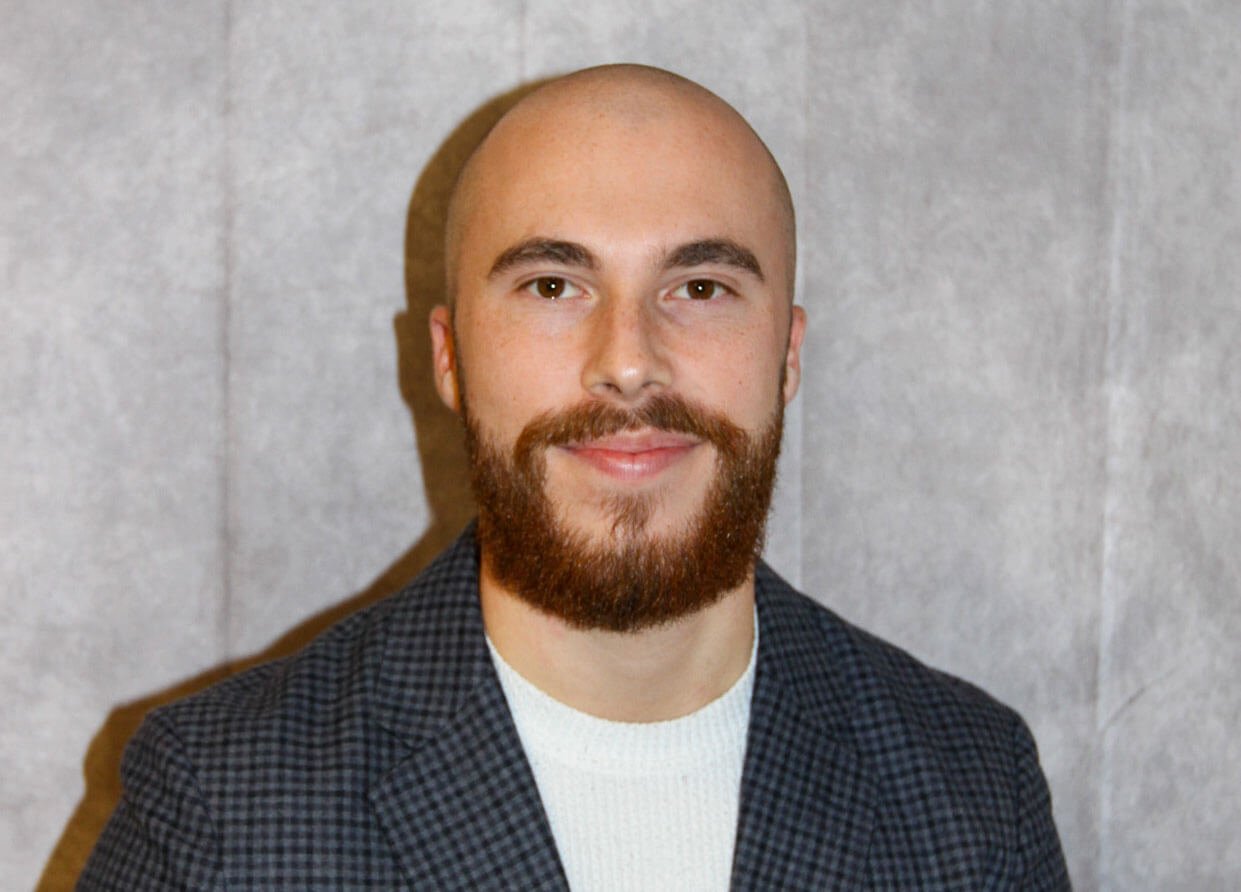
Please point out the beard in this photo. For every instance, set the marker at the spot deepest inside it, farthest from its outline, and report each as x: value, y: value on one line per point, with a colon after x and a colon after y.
x: 634, y: 579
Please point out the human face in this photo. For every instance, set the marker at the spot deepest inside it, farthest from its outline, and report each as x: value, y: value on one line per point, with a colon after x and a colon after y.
x: 613, y: 259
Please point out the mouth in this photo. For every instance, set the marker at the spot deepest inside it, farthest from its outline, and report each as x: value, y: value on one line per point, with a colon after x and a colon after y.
x: 634, y: 455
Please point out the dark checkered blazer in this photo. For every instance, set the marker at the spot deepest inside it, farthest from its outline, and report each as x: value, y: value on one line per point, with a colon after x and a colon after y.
x: 383, y: 756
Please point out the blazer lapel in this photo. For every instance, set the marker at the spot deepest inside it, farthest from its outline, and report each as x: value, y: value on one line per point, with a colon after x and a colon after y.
x: 463, y: 811
x: 457, y: 799
x: 807, y: 801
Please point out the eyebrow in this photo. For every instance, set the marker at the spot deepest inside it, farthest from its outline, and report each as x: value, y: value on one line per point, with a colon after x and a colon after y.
x: 543, y: 250
x: 721, y: 251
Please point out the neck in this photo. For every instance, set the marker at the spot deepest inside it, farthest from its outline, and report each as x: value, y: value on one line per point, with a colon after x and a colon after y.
x: 651, y: 675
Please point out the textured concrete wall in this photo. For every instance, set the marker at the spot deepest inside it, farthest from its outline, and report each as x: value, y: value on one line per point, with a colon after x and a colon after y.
x: 1017, y: 450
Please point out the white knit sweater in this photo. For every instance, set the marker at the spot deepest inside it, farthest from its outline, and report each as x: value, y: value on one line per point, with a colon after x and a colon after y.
x: 637, y: 806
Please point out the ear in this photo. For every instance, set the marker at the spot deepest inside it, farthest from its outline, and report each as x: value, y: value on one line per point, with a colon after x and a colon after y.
x: 792, y: 359
x: 444, y: 357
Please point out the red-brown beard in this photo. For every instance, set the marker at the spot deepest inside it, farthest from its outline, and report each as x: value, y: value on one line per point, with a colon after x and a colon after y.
x: 634, y: 581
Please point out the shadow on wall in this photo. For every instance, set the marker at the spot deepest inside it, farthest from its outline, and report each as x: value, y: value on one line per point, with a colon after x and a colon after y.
x: 445, y: 481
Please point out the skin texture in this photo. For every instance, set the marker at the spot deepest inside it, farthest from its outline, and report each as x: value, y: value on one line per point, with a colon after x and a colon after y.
x: 620, y: 234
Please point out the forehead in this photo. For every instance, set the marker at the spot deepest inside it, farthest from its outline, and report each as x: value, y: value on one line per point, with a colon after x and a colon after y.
x: 634, y: 174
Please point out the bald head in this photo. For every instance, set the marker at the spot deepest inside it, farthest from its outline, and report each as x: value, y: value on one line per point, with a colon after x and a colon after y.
x: 654, y: 112
x: 620, y: 237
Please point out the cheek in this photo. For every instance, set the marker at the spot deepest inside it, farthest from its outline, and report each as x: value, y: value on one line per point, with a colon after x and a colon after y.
x: 738, y: 373
x: 509, y: 380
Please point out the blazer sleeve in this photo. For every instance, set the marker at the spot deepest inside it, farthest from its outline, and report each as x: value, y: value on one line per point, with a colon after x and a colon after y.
x: 161, y: 835
x: 1041, y: 860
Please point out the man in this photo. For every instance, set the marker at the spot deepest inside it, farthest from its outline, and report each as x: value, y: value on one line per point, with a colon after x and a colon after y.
x: 598, y: 686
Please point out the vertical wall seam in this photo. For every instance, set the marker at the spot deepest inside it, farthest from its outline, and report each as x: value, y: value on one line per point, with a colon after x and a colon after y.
x: 523, y: 61
x: 799, y: 284
x: 1117, y: 155
x: 227, y: 187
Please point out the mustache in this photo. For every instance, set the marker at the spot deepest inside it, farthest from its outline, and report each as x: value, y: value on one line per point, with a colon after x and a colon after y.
x: 593, y: 419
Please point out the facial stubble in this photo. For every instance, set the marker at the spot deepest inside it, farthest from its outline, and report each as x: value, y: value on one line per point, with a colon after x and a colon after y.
x: 634, y: 579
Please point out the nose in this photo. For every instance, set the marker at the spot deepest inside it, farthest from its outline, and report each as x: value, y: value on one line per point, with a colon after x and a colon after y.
x: 626, y: 358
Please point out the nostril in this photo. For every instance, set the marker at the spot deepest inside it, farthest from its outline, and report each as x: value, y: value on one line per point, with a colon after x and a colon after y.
x: 610, y: 386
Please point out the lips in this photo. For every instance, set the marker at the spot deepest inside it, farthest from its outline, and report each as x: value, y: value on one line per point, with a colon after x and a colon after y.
x: 634, y: 455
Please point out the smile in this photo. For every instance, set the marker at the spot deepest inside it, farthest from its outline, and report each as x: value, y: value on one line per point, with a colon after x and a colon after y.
x: 634, y: 456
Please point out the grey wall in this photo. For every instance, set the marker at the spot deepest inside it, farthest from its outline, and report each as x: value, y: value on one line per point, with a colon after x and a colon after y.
x: 1016, y: 452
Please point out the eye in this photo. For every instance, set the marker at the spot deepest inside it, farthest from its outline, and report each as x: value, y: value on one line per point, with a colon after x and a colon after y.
x: 700, y: 289
x: 552, y: 288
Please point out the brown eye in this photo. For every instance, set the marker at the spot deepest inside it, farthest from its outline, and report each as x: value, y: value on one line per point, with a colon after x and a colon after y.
x: 552, y: 287
x: 549, y: 287
x: 701, y: 289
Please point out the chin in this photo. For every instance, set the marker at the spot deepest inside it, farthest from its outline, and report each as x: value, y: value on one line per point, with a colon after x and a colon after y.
x: 630, y: 517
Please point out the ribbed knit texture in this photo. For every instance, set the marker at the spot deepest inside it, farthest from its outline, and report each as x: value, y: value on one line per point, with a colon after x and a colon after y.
x: 637, y: 806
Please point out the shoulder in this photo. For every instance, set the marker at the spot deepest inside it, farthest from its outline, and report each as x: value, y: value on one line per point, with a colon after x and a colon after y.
x: 914, y: 728
x: 954, y: 771
x: 328, y: 720
x: 330, y: 674
x: 418, y: 641
x: 266, y: 773
x: 855, y: 677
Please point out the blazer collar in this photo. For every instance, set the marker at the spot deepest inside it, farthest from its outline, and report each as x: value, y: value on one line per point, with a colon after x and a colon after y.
x: 461, y: 808
x: 433, y: 654
x: 807, y: 800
